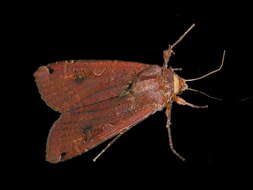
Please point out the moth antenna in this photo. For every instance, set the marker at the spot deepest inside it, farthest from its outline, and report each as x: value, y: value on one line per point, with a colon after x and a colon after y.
x: 203, y: 93
x: 168, y: 52
x: 210, y: 73
x: 182, y: 36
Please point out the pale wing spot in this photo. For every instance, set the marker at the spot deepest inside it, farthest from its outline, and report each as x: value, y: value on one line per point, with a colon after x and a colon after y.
x: 98, y: 73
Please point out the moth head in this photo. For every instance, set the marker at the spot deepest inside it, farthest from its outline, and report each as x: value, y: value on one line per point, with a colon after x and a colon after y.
x: 179, y: 84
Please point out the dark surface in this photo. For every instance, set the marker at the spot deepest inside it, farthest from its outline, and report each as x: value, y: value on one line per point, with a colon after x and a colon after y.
x: 208, y: 138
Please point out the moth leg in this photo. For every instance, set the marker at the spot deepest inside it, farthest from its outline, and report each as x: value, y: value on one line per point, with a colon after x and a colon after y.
x: 181, y: 101
x: 109, y: 144
x: 166, y: 55
x: 168, y: 124
x: 177, y: 69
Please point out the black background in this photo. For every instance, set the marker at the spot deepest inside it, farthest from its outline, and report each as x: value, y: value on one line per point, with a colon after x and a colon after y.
x: 209, y: 139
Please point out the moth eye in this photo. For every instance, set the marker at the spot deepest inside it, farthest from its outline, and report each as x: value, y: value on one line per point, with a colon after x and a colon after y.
x: 50, y: 70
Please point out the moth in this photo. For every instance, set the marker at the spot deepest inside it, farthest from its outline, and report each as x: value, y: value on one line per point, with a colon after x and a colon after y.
x: 102, y: 99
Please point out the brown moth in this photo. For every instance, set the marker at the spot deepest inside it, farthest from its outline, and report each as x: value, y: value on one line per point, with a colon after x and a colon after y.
x: 101, y: 99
